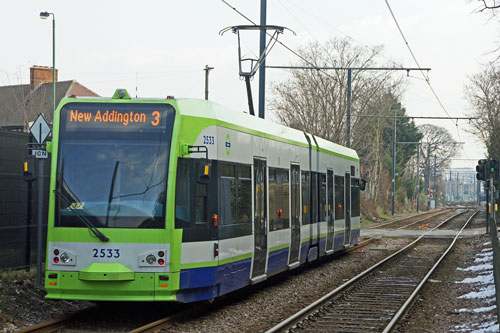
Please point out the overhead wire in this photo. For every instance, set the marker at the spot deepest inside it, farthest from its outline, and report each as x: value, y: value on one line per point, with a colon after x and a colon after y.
x: 316, y: 17
x: 426, y: 77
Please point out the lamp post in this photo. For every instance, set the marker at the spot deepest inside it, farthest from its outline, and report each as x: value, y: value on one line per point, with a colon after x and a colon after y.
x: 45, y: 15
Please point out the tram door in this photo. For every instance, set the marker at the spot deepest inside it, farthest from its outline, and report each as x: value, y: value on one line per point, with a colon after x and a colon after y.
x: 347, y: 210
x: 260, y: 218
x: 295, y: 213
x: 331, y: 211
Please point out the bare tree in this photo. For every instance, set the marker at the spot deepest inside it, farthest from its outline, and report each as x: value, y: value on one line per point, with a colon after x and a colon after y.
x: 315, y: 101
x: 438, y: 146
x: 483, y: 94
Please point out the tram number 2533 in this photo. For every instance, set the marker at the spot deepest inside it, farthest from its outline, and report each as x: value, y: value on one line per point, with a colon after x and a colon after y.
x: 106, y: 253
x: 208, y: 140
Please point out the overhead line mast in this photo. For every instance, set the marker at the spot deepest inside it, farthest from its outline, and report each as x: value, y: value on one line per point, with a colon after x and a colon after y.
x: 349, y: 79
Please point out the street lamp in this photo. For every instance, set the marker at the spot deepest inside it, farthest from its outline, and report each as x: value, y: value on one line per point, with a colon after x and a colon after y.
x: 44, y: 16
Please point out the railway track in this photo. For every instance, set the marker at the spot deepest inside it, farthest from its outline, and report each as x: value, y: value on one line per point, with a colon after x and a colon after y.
x: 376, y: 299
x: 411, y: 220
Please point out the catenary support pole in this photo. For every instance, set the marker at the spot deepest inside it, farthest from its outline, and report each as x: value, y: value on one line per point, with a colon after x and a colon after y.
x: 418, y: 178
x: 262, y: 69
x: 207, y: 70
x: 349, y: 70
x: 393, y: 201
x: 348, y: 120
x: 434, y: 188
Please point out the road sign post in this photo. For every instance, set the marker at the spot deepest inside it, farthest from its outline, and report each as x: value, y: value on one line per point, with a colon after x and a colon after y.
x: 40, y: 131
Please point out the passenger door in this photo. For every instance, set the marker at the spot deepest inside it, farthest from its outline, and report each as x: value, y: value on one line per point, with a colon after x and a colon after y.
x: 260, y: 217
x: 331, y: 211
x: 295, y: 214
x: 347, y: 209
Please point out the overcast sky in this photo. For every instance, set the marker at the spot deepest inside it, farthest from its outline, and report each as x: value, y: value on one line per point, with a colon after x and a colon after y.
x: 161, y: 47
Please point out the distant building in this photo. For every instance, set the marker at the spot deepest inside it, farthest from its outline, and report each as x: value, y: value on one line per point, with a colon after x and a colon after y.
x: 20, y: 104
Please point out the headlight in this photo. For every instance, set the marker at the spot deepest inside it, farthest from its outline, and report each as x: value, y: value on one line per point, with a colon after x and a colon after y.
x: 65, y: 257
x: 151, y: 259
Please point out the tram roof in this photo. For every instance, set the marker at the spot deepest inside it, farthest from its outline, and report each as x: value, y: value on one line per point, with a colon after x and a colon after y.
x: 230, y: 118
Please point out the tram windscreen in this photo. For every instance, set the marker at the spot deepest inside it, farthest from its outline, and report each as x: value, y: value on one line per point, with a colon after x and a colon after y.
x: 113, y: 165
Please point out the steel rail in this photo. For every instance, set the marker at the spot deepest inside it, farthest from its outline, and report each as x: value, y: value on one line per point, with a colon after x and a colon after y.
x: 157, y: 325
x: 410, y: 299
x: 427, y: 214
x: 297, y: 317
x: 421, y: 220
x: 46, y: 325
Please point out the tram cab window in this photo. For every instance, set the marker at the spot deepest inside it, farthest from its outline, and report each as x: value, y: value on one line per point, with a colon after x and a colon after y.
x: 355, y: 198
x: 339, y: 198
x: 279, y: 194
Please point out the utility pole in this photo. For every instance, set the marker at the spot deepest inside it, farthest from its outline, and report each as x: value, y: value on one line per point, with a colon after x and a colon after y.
x: 435, y: 187
x: 207, y: 70
x: 450, y: 188
x: 417, y: 181
x: 262, y: 68
x: 395, y: 108
x: 428, y: 168
x: 348, y: 115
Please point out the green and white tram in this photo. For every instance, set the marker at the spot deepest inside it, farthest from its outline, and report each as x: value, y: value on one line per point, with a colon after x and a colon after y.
x: 185, y: 200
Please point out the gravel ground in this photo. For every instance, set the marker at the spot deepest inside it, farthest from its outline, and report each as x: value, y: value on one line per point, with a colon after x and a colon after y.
x: 444, y: 305
x: 461, y: 296
x: 264, y: 306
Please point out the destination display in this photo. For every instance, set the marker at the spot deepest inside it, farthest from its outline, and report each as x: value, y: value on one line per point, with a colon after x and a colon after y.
x: 94, y: 116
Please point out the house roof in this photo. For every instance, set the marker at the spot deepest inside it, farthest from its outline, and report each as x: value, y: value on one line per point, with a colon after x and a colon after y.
x: 19, y: 105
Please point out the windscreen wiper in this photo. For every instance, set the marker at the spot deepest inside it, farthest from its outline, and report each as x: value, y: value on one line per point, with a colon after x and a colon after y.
x: 83, y: 218
x: 111, y: 190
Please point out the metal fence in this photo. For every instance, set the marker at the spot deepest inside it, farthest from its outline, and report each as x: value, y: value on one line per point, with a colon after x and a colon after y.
x: 18, y: 209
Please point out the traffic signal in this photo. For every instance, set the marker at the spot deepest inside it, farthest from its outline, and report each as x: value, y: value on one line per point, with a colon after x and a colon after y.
x: 29, y: 174
x: 494, y: 167
x: 482, y: 170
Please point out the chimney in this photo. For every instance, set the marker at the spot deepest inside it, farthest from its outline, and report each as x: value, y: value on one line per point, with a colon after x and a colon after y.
x: 40, y: 74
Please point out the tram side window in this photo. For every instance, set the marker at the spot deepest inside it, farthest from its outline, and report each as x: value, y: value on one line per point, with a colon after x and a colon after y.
x: 355, y: 198
x: 235, y: 194
x: 305, y: 197
x: 339, y: 197
x: 182, y: 194
x: 200, y: 209
x: 244, y: 173
x: 279, y: 199
x: 188, y: 192
x: 322, y: 197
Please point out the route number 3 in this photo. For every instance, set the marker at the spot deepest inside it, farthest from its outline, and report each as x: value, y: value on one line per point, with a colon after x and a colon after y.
x: 156, y: 116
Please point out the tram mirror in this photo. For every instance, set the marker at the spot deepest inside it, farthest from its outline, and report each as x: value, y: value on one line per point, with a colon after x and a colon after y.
x: 362, y: 185
x: 204, y: 170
